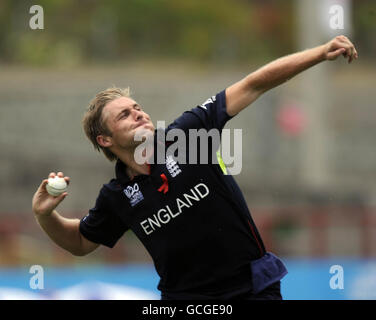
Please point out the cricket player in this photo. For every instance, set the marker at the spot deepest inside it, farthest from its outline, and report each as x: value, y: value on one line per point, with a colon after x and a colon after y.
x: 191, y: 217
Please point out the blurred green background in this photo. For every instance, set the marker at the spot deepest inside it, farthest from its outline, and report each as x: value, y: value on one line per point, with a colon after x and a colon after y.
x: 88, y: 32
x: 309, y: 158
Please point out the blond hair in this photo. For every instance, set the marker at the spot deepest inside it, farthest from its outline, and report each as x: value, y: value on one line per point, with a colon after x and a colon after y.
x: 93, y: 122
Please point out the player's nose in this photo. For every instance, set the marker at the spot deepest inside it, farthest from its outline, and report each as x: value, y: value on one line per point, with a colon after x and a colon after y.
x: 138, y: 115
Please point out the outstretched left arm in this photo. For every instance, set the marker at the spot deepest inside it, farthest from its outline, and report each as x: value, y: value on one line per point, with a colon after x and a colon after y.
x: 244, y: 92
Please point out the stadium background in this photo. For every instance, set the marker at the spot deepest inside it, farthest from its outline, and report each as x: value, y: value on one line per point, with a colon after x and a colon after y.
x: 309, y: 161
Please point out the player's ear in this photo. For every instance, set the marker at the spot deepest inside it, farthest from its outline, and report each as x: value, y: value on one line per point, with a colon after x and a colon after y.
x: 104, y: 141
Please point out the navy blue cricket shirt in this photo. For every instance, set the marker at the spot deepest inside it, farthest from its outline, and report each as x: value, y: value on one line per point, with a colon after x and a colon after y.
x: 199, y: 233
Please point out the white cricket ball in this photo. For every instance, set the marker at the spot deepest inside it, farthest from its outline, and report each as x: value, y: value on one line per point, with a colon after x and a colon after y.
x: 56, y: 186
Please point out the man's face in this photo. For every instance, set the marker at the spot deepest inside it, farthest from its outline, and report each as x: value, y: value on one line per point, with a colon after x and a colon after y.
x: 124, y: 118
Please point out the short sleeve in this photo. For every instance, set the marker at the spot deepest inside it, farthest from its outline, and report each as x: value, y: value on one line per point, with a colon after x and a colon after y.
x: 211, y: 114
x: 101, y: 225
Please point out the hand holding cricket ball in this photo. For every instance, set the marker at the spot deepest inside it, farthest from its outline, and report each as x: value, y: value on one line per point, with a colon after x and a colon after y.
x: 56, y: 186
x: 50, y: 193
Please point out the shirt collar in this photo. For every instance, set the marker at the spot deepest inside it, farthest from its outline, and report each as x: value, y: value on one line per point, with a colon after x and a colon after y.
x: 121, y: 167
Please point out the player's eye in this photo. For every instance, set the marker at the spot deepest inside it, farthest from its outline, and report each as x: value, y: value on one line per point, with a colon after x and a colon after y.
x: 124, y: 114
